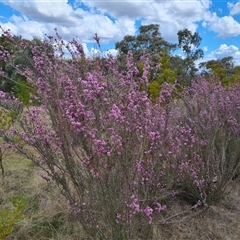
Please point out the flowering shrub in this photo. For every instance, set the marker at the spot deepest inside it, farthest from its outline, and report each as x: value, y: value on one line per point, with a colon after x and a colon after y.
x: 113, y: 153
x: 212, y: 121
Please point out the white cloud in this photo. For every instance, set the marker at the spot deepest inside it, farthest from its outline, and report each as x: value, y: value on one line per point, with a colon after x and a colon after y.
x: 94, y: 52
x: 220, y: 10
x: 172, y: 16
x: 205, y: 48
x: 41, y: 17
x: 224, y: 50
x: 26, y: 28
x: 56, y: 11
x: 132, y: 9
x: 224, y: 26
x: 112, y: 52
x: 114, y: 19
x: 85, y: 49
x: 234, y: 8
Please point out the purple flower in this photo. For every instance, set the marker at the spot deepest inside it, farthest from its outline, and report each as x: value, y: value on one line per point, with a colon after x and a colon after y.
x: 148, y: 211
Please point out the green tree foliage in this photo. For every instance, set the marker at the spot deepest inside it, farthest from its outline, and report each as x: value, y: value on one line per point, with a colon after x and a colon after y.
x: 223, y: 69
x: 5, y: 80
x: 22, y: 60
x: 23, y: 91
x: 149, y: 40
x: 189, y: 43
x: 236, y: 75
x: 165, y: 74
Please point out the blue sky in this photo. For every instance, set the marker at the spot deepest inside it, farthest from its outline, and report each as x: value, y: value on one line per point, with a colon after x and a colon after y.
x: 218, y: 22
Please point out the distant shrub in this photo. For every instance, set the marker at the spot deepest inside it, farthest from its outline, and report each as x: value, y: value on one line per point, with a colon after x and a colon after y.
x: 9, y: 217
x: 23, y: 91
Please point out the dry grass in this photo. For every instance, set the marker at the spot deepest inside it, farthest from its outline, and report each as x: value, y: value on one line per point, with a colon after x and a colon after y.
x: 216, y: 222
x: 46, y: 217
